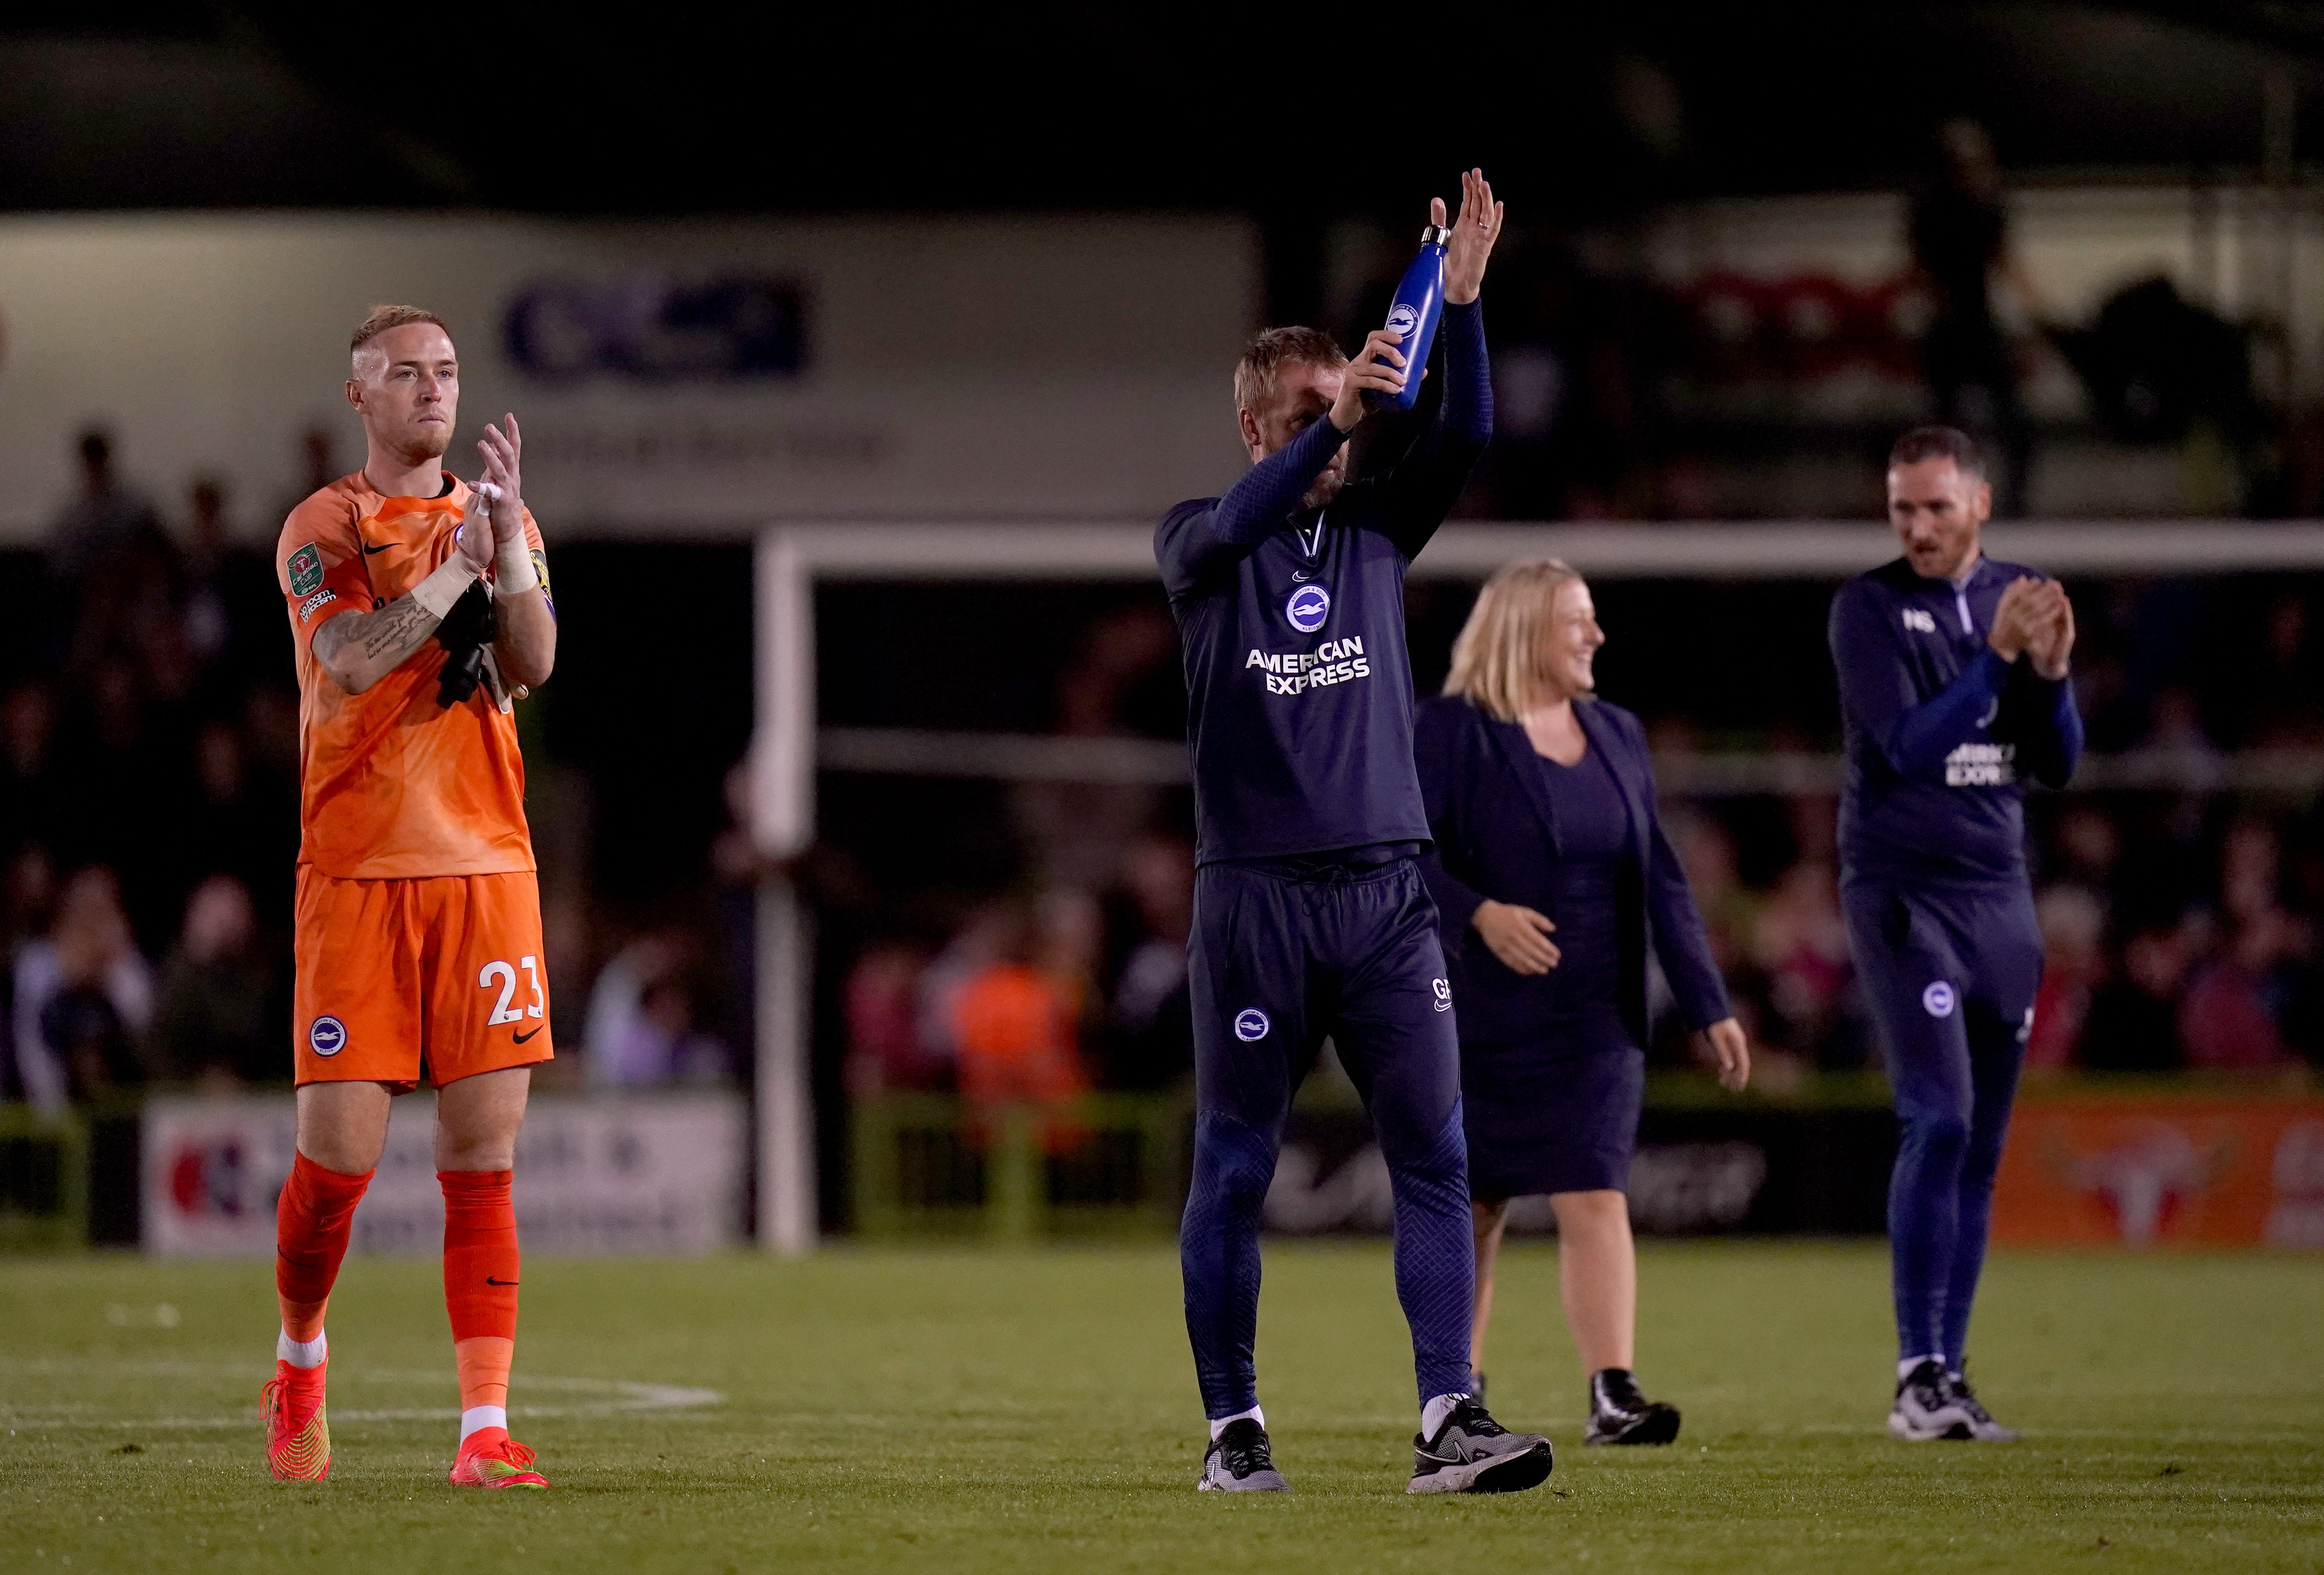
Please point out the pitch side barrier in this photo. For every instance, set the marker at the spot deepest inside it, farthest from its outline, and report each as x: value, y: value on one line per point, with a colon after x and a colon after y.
x: 44, y: 1175
x: 788, y: 747
x: 1114, y: 1167
x: 188, y: 1172
x: 2154, y: 1162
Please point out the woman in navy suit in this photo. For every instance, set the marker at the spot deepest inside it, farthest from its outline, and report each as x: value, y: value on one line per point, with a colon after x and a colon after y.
x: 1552, y: 878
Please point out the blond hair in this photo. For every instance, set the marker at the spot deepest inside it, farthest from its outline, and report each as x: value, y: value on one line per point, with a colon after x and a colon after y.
x: 378, y: 321
x: 1498, y: 661
x: 1274, y: 349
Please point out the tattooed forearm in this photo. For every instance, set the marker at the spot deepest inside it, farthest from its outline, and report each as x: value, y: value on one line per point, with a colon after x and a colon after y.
x: 396, y: 630
x: 359, y: 649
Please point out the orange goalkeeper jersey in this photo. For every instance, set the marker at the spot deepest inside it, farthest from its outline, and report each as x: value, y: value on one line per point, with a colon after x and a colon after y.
x: 392, y: 785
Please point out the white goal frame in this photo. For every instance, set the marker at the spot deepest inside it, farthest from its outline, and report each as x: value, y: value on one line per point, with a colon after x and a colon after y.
x: 792, y: 560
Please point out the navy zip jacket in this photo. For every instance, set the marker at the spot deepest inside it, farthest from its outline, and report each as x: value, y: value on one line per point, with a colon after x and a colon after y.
x: 1495, y: 828
x: 1942, y: 733
x: 1291, y: 623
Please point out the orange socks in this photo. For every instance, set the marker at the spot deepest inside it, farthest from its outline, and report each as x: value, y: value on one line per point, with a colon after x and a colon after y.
x: 312, y: 1222
x: 480, y: 1283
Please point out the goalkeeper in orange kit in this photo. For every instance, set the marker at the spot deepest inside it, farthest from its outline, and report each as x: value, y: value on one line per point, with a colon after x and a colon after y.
x: 420, y: 609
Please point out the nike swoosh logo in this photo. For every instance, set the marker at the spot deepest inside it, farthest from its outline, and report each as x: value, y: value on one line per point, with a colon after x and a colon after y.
x: 520, y: 1038
x: 383, y: 547
x: 490, y: 1280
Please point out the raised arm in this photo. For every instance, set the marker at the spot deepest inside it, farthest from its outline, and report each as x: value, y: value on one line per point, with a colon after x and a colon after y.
x: 524, y: 622
x: 1194, y: 541
x: 1256, y: 506
x: 1431, y: 476
x: 1428, y: 480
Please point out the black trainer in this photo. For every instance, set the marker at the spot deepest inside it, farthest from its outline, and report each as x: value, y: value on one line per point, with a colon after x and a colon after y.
x: 1927, y: 1408
x: 1239, y: 1461
x: 1472, y: 1453
x: 1981, y: 1426
x: 1619, y: 1415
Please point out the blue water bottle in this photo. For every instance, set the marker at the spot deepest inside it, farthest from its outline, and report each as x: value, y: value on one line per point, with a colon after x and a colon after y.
x: 1419, y: 302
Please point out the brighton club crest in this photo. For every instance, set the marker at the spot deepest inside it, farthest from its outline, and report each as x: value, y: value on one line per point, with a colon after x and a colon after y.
x: 1307, y: 607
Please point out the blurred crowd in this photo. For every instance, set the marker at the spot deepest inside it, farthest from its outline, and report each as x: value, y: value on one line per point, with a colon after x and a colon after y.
x: 2182, y: 936
x: 149, y: 796
x: 1038, y: 995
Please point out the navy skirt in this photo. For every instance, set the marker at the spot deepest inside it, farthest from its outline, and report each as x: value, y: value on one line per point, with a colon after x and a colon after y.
x: 1557, y: 1115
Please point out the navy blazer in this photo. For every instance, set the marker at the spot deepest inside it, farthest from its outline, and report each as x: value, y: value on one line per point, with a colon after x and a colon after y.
x: 1496, y: 831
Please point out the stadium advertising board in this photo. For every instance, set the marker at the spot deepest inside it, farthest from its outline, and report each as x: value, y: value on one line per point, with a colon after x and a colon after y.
x: 684, y: 378
x: 2196, y: 1172
x: 659, y: 1175
x: 1699, y: 1171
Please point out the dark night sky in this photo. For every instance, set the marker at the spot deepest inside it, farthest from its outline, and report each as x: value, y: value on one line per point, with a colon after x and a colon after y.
x: 1284, y: 112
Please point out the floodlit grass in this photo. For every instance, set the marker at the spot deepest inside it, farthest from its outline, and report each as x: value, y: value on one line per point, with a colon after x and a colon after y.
x: 963, y: 1411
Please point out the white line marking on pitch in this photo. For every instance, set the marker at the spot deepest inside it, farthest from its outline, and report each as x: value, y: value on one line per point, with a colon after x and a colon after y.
x: 624, y: 1396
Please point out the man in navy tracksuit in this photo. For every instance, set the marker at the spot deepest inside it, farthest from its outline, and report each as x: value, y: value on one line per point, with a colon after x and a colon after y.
x: 1953, y: 692
x: 1310, y: 917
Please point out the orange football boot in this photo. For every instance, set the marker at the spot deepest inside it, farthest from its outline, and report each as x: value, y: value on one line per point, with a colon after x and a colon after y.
x: 491, y: 1459
x: 298, y: 1438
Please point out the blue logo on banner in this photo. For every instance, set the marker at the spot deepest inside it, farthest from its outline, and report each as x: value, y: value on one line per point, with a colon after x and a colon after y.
x: 647, y: 327
x: 1251, y: 1023
x: 327, y: 1035
x: 1307, y: 608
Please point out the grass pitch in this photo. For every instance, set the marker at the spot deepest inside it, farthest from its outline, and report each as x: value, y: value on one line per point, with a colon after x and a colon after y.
x: 967, y: 1411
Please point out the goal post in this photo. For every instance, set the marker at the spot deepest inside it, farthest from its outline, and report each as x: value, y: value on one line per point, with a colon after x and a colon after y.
x: 787, y: 747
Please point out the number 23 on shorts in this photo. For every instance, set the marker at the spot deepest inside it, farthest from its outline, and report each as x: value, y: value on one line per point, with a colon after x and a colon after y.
x: 499, y: 974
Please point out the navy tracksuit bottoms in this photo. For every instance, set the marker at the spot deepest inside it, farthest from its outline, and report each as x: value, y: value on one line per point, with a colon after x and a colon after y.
x: 1950, y: 974
x: 1285, y: 955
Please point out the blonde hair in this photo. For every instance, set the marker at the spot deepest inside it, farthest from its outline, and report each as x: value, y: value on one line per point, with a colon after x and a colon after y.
x: 1270, y: 352
x: 1498, y: 663
x: 379, y: 320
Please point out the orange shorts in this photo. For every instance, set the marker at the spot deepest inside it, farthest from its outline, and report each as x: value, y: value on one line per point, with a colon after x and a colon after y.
x: 398, y: 981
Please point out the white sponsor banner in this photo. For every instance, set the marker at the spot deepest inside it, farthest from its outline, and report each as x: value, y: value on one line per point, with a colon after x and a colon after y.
x: 672, y: 378
x: 650, y: 1174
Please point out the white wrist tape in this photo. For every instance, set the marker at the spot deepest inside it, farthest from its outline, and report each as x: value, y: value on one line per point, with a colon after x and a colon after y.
x: 513, y: 569
x: 447, y: 585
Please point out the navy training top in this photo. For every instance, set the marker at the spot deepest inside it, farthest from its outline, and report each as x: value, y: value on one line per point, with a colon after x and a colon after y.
x: 1940, y: 731
x: 1291, y: 625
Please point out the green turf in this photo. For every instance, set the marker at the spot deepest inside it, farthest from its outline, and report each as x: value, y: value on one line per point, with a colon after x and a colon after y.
x: 961, y: 1411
